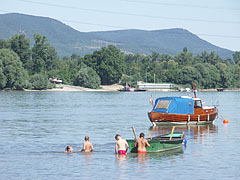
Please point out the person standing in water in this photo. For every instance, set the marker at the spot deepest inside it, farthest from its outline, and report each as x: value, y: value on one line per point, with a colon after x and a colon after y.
x: 141, y: 144
x: 87, y: 146
x: 68, y: 149
x: 121, y: 146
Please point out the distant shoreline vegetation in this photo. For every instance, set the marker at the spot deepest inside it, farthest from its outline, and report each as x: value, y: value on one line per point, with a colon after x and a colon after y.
x: 26, y: 67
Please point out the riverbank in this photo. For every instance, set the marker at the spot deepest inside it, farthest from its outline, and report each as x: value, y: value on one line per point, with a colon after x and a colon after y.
x: 70, y: 88
x: 114, y: 88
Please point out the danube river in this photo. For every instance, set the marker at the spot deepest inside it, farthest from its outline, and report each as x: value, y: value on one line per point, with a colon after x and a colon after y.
x: 35, y: 128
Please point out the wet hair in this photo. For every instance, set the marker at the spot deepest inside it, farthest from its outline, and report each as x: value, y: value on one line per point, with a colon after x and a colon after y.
x: 141, y: 135
x: 67, y: 148
x: 86, y: 138
x: 116, y: 136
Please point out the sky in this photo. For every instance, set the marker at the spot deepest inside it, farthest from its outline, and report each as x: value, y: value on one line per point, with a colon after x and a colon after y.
x: 216, y: 21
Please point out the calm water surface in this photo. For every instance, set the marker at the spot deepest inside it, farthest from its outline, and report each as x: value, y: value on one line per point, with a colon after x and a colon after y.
x: 35, y: 128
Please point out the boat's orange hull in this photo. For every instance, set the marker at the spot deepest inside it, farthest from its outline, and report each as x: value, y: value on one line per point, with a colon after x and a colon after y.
x: 200, y: 116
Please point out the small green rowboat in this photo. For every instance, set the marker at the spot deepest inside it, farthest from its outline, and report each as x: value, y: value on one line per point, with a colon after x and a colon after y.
x: 161, y: 143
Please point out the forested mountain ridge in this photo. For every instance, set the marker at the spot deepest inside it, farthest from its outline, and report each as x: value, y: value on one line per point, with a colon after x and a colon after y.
x: 67, y: 40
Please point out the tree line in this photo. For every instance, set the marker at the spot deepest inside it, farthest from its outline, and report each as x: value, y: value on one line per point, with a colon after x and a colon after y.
x: 26, y: 67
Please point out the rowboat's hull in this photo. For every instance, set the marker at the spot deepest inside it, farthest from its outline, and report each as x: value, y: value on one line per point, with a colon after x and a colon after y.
x: 181, y: 119
x: 158, y: 145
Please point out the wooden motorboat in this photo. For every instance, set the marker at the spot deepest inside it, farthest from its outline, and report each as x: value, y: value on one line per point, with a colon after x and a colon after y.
x: 181, y: 110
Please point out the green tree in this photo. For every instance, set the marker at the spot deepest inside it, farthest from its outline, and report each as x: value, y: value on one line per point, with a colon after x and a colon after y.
x: 131, y: 80
x: 39, y: 81
x: 171, y: 71
x: 44, y: 57
x: 165, y: 57
x: 185, y: 49
x: 21, y: 45
x: 155, y: 56
x: 184, y: 58
x: 14, y: 75
x: 210, y: 76
x: 187, y: 75
x: 3, y: 79
x: 225, y: 75
x: 108, y: 63
x: 66, y: 70
x: 236, y: 57
x: 236, y: 77
x: 87, y: 78
x: 213, y: 58
x: 4, y: 44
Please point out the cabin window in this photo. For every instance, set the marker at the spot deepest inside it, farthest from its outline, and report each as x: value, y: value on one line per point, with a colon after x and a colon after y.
x: 163, y: 104
x: 197, y: 104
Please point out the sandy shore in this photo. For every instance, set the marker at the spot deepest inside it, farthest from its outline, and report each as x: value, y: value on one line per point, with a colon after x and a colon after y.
x: 69, y: 88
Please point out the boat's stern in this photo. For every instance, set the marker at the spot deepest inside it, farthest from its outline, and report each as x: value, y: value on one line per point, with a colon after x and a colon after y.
x: 151, y: 118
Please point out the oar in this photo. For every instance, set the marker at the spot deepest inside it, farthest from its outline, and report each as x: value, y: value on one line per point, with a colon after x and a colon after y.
x: 172, y: 132
x: 134, y: 132
x: 182, y: 135
x: 149, y: 135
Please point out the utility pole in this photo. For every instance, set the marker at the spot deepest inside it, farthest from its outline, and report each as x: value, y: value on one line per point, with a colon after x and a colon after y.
x: 146, y: 76
x: 154, y: 78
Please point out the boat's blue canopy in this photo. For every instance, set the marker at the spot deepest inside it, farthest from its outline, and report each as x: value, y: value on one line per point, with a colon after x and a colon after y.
x: 174, y: 105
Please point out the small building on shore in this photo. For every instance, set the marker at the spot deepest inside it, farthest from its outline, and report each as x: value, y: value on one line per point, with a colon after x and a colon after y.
x: 157, y: 86
x: 55, y: 81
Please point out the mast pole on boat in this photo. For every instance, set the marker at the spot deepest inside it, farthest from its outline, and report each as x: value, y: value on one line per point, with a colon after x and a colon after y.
x: 194, y: 90
x: 134, y: 132
x: 149, y: 135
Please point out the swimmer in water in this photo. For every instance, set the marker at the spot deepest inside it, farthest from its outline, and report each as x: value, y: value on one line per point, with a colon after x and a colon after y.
x: 68, y: 149
x: 121, y: 146
x: 141, y: 143
x: 87, y: 146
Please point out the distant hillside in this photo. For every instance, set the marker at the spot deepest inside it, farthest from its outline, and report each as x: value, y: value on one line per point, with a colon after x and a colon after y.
x: 169, y: 41
x: 67, y: 40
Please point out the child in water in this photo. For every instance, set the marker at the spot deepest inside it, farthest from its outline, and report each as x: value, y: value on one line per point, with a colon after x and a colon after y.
x: 68, y: 149
x: 121, y: 146
x: 87, y: 146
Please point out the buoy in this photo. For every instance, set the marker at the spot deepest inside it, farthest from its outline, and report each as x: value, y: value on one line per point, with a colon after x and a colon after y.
x: 225, y: 121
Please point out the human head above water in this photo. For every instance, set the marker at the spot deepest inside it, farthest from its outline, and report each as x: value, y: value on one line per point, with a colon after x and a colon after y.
x: 68, y: 149
x: 116, y: 137
x: 86, y: 138
x: 141, y: 135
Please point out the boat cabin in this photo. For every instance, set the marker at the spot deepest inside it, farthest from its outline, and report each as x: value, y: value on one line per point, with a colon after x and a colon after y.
x: 176, y: 105
x: 197, y: 103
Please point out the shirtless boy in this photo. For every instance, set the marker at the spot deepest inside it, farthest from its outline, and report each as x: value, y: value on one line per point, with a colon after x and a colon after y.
x: 141, y: 144
x: 87, y: 146
x: 68, y: 149
x: 121, y: 146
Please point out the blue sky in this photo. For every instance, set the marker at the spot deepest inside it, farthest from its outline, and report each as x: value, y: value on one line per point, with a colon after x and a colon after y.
x: 217, y: 21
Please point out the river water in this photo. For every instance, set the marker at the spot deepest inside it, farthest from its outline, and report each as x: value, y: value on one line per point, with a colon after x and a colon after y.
x: 35, y: 128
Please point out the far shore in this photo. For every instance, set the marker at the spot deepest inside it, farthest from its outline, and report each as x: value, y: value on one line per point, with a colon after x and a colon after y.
x: 111, y: 88
x: 70, y: 88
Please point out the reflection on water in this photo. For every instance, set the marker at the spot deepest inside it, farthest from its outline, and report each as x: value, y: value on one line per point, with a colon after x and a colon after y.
x: 144, y: 158
x: 190, y: 130
x: 87, y: 157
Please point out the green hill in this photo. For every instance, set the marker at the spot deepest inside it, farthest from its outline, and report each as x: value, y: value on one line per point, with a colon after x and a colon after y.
x: 67, y: 40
